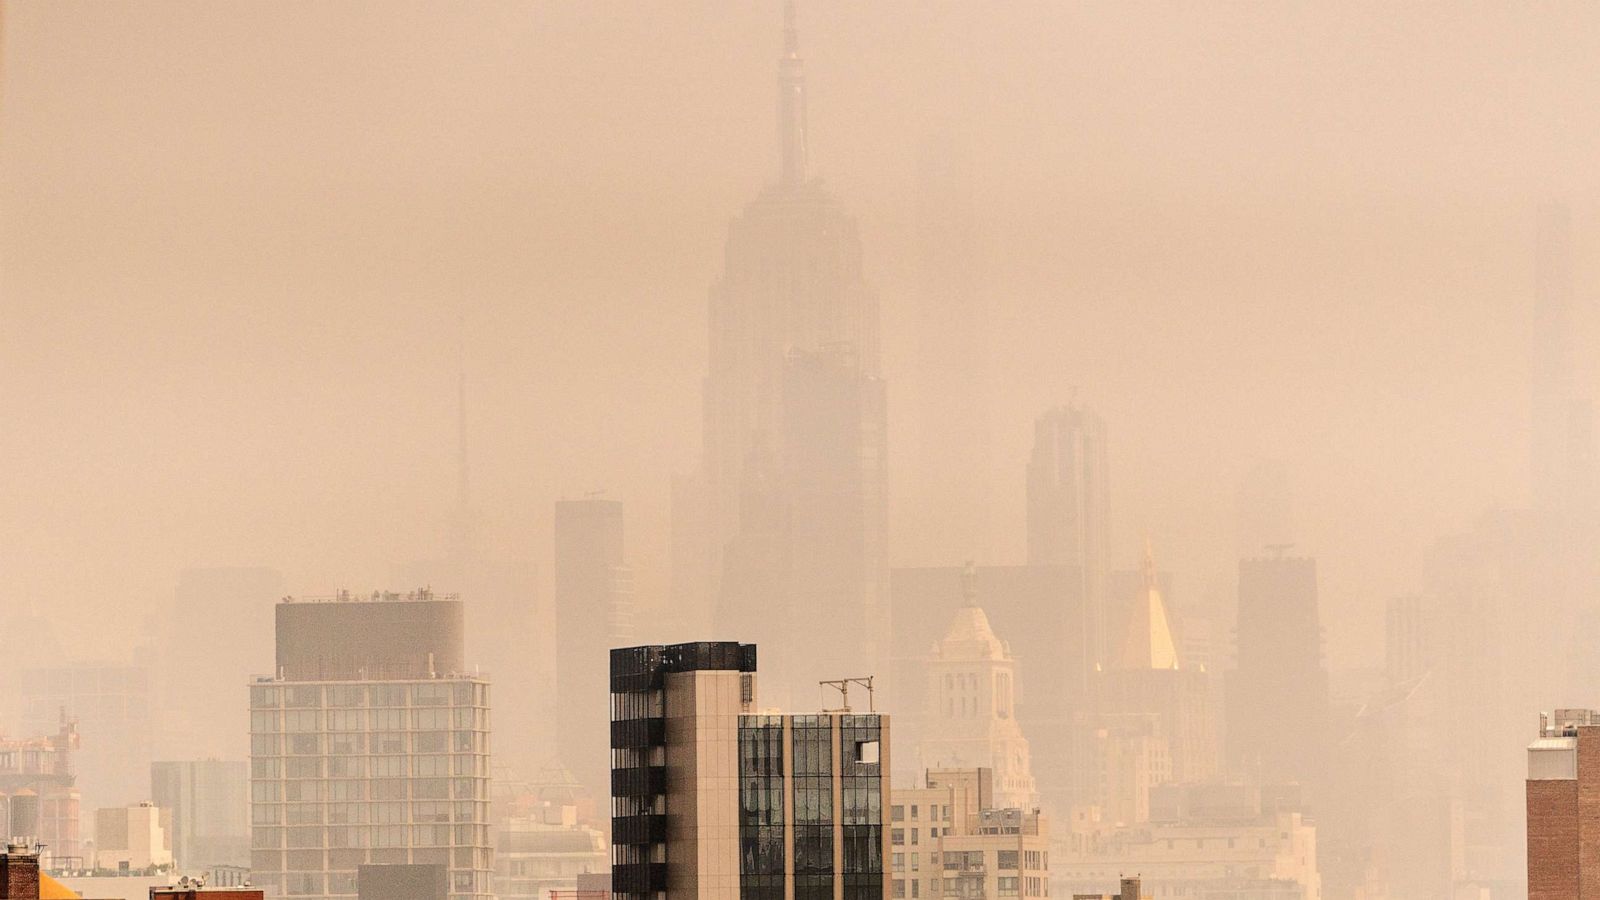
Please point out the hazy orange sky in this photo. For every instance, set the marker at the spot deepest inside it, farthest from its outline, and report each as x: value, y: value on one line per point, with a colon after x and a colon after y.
x: 237, y: 237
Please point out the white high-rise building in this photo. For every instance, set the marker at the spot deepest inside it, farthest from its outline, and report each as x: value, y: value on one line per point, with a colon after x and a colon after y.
x: 971, y: 722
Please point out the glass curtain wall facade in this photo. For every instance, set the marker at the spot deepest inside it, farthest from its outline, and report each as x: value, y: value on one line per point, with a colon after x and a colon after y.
x: 827, y: 770
x: 349, y: 773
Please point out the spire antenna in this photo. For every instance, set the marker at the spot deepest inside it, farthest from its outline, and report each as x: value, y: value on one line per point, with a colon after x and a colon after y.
x: 463, y: 486
x: 461, y: 537
x: 791, y: 103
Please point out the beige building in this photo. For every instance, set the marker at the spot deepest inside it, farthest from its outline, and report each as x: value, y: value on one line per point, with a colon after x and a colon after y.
x: 971, y: 720
x: 1217, y: 841
x: 949, y: 840
x: 132, y: 838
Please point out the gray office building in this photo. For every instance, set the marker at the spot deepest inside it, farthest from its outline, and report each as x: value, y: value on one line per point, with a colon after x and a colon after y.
x: 369, y: 747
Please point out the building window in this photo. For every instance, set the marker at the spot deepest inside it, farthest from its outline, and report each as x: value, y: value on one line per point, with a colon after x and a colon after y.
x: 897, y: 813
x: 897, y: 837
x: 899, y: 888
x: 1007, y: 885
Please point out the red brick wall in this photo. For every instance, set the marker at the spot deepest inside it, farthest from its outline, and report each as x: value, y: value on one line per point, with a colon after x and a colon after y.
x: 19, y: 877
x: 1553, y: 840
x: 1589, y: 812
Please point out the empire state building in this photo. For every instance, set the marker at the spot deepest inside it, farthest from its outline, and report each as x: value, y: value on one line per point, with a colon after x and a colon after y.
x: 780, y: 537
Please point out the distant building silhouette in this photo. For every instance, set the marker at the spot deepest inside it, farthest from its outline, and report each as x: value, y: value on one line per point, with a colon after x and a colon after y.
x: 1278, y: 707
x: 112, y: 705
x: 594, y: 612
x: 783, y: 529
x: 209, y: 802
x: 1563, y: 438
x: 1069, y: 508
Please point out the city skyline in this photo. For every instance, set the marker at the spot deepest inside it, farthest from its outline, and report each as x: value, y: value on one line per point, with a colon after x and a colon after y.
x: 896, y: 331
x: 517, y: 476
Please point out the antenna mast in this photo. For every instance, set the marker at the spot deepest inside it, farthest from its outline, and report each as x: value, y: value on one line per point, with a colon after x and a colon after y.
x: 842, y: 685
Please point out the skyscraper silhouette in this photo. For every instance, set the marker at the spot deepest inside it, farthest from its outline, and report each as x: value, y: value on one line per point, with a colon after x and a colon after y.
x: 1069, y: 509
x: 1563, y: 446
x: 1278, y: 692
x: 594, y: 612
x: 785, y: 524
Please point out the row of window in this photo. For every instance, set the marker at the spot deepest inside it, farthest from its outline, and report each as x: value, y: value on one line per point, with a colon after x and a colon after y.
x: 936, y: 812
x: 897, y: 836
x: 268, y: 721
x: 311, y: 790
x: 972, y: 889
x: 1005, y: 860
x: 382, y: 813
x: 350, y: 743
x: 397, y: 766
x: 352, y: 858
x: 432, y: 693
x: 356, y: 836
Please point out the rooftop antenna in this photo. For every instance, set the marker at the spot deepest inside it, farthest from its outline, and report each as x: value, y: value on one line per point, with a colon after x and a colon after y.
x: 791, y: 103
x: 842, y: 685
x: 463, y: 523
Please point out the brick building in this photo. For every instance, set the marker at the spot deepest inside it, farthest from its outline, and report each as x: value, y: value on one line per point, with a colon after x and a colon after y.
x: 1564, y: 807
